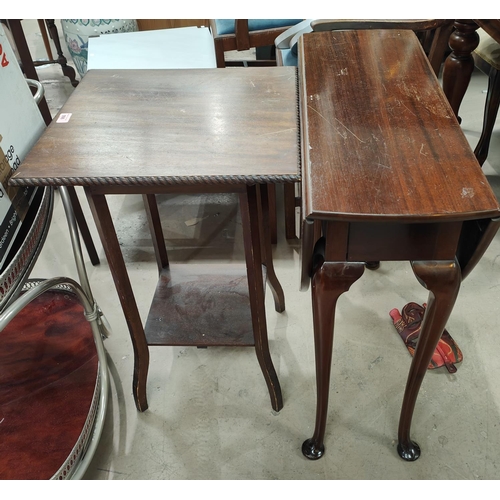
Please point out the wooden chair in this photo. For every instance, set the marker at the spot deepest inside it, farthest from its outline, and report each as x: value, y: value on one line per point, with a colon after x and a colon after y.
x: 245, y: 34
x: 286, y: 55
x: 53, y: 370
x: 487, y: 59
x: 438, y: 29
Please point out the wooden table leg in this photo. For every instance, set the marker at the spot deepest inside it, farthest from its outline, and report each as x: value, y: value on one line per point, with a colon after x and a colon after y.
x: 111, y: 245
x: 459, y: 65
x: 329, y: 282
x: 289, y: 202
x: 267, y: 250
x: 442, y: 279
x: 273, y: 218
x: 156, y: 230
x: 251, y: 237
x: 82, y: 225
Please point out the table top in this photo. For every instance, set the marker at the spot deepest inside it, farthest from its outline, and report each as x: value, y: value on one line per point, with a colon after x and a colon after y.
x: 173, y: 48
x: 172, y: 126
x: 379, y: 139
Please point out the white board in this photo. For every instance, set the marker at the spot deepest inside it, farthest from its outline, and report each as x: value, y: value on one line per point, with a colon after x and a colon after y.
x: 21, y: 124
x: 174, y: 48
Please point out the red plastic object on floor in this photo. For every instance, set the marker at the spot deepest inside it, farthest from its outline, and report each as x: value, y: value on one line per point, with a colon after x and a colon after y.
x: 408, y: 324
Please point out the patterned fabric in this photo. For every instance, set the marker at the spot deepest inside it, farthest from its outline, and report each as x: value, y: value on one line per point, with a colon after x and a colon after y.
x: 77, y: 32
x: 488, y: 49
x: 408, y: 325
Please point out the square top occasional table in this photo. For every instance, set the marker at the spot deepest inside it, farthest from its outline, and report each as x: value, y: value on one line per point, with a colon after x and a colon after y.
x: 180, y: 131
x: 389, y: 175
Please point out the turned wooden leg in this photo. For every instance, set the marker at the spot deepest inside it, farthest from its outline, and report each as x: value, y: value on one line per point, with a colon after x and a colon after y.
x: 267, y: 251
x: 251, y: 237
x: 459, y: 65
x: 442, y: 279
x: 329, y: 282
x: 111, y: 245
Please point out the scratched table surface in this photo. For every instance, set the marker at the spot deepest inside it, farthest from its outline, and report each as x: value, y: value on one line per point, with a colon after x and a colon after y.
x: 393, y: 155
x: 171, y: 126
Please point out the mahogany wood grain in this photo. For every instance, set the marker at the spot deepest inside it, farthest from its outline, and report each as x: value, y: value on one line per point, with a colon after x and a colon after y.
x: 397, y: 150
x: 154, y: 127
x: 433, y: 33
x: 389, y: 175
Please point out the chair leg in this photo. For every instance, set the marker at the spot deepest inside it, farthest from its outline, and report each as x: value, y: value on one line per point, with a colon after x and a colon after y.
x: 490, y: 114
x: 68, y: 71
x: 219, y: 54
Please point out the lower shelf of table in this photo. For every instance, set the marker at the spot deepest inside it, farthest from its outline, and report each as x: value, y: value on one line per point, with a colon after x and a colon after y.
x: 201, y: 305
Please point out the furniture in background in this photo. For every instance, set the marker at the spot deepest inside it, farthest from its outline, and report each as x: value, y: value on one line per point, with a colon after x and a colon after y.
x: 286, y: 55
x: 78, y: 31
x: 438, y: 30
x: 161, y: 24
x: 459, y: 65
x: 245, y: 34
x: 25, y: 60
x: 174, y: 48
x: 53, y: 368
x: 487, y: 59
x: 208, y: 131
x: 27, y: 63
x: 383, y: 179
x: 28, y: 68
